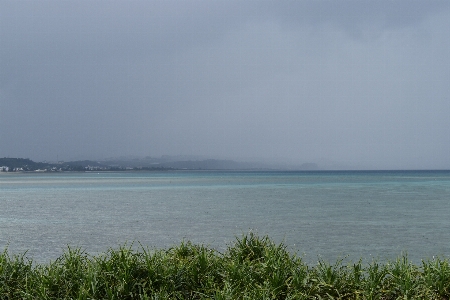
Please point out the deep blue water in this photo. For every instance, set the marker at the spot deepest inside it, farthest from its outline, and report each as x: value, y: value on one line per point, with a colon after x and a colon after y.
x: 336, y: 214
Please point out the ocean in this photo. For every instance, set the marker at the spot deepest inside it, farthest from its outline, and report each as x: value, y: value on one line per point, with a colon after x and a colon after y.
x: 328, y: 215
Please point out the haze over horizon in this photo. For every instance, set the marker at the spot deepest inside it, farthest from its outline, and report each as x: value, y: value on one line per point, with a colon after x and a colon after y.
x: 359, y: 84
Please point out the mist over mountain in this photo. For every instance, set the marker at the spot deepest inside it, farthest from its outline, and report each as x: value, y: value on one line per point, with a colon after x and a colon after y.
x: 343, y: 84
x: 201, y: 163
x: 146, y: 163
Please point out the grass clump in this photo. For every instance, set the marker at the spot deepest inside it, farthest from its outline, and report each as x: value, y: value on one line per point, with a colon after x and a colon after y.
x: 252, y: 267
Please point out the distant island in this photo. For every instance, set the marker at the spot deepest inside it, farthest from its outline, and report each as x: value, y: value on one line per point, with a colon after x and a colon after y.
x: 136, y: 164
x: 27, y: 165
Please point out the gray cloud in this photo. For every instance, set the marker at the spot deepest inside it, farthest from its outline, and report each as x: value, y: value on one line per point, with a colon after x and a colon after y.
x: 363, y: 83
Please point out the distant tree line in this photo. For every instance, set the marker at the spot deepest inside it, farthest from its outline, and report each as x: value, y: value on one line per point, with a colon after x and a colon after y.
x: 26, y: 165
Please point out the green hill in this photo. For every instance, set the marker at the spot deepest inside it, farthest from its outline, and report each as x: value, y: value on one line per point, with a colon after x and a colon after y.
x: 24, y: 163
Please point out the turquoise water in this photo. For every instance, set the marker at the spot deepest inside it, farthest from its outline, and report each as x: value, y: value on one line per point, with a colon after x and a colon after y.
x: 352, y: 214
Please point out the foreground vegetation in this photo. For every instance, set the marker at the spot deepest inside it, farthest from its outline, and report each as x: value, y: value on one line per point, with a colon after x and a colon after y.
x: 252, y: 268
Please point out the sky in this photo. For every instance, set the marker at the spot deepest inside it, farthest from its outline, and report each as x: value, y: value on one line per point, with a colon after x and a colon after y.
x: 344, y: 84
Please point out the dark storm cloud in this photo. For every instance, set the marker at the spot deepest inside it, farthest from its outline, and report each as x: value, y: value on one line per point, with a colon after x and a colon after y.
x: 357, y: 82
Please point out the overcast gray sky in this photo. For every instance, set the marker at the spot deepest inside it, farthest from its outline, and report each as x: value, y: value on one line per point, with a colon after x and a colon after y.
x: 354, y: 83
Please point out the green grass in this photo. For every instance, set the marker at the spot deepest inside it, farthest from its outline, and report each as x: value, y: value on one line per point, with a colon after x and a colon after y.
x: 252, y: 268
